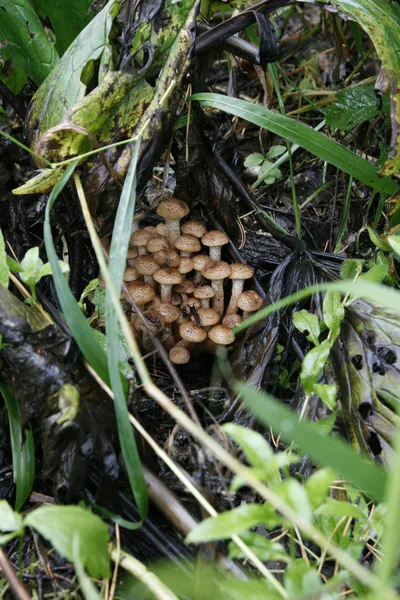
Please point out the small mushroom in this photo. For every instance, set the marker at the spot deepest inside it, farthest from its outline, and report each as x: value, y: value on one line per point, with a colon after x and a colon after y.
x: 187, y: 244
x: 200, y: 261
x: 154, y: 323
x: 232, y: 320
x: 185, y: 288
x: 139, y: 240
x: 172, y: 210
x: 185, y: 266
x: 141, y: 292
x: 215, y: 239
x: 130, y: 274
x: 161, y: 229
x: 130, y: 257
x: 249, y: 302
x: 147, y: 266
x: 167, y: 277
x: 221, y: 335
x: 217, y: 272
x: 190, y: 332
x: 170, y: 314
x: 195, y: 228
x: 157, y: 243
x: 239, y: 273
x: 167, y: 258
x: 208, y: 317
x: 204, y: 293
x: 179, y: 355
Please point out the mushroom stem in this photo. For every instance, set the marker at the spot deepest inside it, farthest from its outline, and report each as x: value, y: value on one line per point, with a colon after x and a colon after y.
x: 165, y: 292
x: 237, y: 289
x: 218, y: 300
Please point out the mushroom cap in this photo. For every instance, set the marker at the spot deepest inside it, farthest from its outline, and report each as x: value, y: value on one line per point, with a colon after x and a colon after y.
x: 200, y: 261
x: 186, y: 265
x: 141, y: 292
x: 203, y: 292
x: 167, y: 276
x: 214, y: 238
x: 185, y: 287
x: 161, y: 229
x: 195, y: 228
x: 208, y: 316
x: 249, y: 301
x: 232, y: 320
x: 140, y: 237
x: 154, y: 321
x: 130, y: 257
x: 130, y: 274
x: 146, y: 265
x: 191, y: 302
x: 172, y: 209
x: 216, y: 270
x: 221, y: 335
x: 169, y: 312
x: 179, y: 355
x: 241, y: 271
x: 187, y: 243
x: 191, y: 332
x: 156, y: 243
x: 176, y: 299
x: 168, y: 258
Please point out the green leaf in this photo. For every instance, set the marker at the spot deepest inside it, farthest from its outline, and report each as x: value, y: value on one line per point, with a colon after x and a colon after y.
x: 63, y: 87
x: 4, y: 269
x: 375, y: 274
x: 317, y: 486
x: 256, y: 448
x: 253, y: 160
x: 350, y: 268
x: 9, y: 520
x: 324, y: 426
x: 326, y: 451
x: 327, y: 392
x: 89, y: 589
x: 307, y: 323
x: 341, y: 509
x: 262, y: 547
x: 117, y: 262
x: 276, y: 151
x: 377, y: 240
x: 333, y: 313
x: 59, y: 525
x: 23, y: 452
x: 354, y: 106
x: 300, y: 579
x: 31, y: 263
x: 313, y: 364
x: 232, y: 522
x: 67, y: 17
x: 394, y: 243
x: 299, y: 133
x: 294, y: 494
x: 25, y: 49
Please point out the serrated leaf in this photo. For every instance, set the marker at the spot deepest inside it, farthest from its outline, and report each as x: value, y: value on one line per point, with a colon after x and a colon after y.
x: 59, y: 525
x: 313, y: 364
x: 26, y: 50
x: 327, y: 392
x: 9, y: 520
x: 232, y: 522
x: 253, y: 160
x: 341, y: 509
x: 354, y: 106
x: 256, y: 448
x: 4, y: 269
x: 317, y: 486
x: 307, y: 323
x: 333, y: 313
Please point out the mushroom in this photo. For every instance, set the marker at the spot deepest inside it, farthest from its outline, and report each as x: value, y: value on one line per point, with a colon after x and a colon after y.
x: 130, y: 274
x: 215, y: 239
x: 239, y: 273
x: 185, y: 266
x: 179, y: 355
x: 200, y: 261
x: 249, y: 302
x: 141, y: 292
x: 217, y: 272
x: 170, y: 314
x: 167, y: 258
x: 147, y: 266
x: 187, y: 244
x: 195, y: 228
x: 167, y: 277
x: 161, y: 229
x: 157, y: 243
x: 204, y: 293
x: 232, y: 320
x: 190, y: 332
x: 208, y: 317
x: 130, y: 257
x: 154, y: 322
x: 172, y: 210
x: 185, y: 288
x: 221, y: 335
x: 139, y: 240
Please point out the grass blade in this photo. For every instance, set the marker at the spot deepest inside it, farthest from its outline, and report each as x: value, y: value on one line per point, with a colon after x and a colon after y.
x: 117, y: 263
x: 76, y: 320
x: 298, y: 133
x: 326, y: 451
x: 23, y: 452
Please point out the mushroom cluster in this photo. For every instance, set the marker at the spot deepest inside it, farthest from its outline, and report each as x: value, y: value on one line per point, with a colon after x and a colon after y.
x: 175, y: 274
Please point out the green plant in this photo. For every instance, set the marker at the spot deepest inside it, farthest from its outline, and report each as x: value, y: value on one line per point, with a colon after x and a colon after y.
x: 262, y: 166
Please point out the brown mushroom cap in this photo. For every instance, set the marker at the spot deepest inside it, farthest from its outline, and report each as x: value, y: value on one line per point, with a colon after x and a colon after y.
x: 140, y: 238
x: 172, y: 208
x: 168, y: 258
x: 168, y: 276
x: 214, y: 238
x: 204, y: 292
x: 250, y: 301
x: 130, y: 274
x: 186, y: 265
x: 157, y: 243
x: 241, y: 271
x: 191, y: 332
x: 200, y: 261
x: 130, y: 257
x: 154, y: 322
x: 179, y: 355
x: 169, y: 312
x: 185, y: 287
x: 208, y: 316
x: 191, y: 302
x: 141, y: 292
x: 187, y: 243
x: 221, y: 335
x: 146, y: 265
x: 216, y: 271
x: 161, y: 229
x: 232, y: 320
x: 195, y: 228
